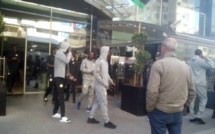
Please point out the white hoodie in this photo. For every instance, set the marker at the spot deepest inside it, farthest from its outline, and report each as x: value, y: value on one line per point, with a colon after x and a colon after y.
x: 198, y: 68
x: 102, y: 78
x: 61, y: 59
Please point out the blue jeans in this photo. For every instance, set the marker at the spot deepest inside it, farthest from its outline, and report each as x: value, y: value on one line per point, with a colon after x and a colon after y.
x: 160, y: 121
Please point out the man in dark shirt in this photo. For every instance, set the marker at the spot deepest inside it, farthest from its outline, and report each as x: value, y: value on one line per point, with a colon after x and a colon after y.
x: 50, y: 67
x: 73, y: 70
x: 13, y: 63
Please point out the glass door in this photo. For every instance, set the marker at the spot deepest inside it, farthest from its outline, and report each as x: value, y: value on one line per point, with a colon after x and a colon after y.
x: 36, y: 74
x: 14, y: 51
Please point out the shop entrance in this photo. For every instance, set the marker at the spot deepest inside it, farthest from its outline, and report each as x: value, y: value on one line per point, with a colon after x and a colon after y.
x: 13, y: 51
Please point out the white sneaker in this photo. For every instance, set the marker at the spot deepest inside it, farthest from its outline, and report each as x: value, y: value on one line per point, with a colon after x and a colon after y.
x: 57, y: 115
x: 65, y: 120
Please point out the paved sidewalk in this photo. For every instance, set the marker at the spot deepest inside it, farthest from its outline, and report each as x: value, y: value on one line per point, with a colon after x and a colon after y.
x: 28, y: 114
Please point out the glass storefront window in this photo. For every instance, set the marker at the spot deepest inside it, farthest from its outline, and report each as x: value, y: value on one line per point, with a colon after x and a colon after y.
x: 38, y: 32
x: 191, y: 22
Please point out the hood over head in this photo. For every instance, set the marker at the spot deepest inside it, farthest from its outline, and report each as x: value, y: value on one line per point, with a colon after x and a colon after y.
x: 104, y: 52
x: 195, y: 58
x: 64, y: 46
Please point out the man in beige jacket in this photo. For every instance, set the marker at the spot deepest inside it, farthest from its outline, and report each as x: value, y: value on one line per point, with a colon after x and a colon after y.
x: 169, y: 89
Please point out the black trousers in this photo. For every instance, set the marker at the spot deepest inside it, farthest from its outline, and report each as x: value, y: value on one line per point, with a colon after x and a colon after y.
x: 59, y: 96
x: 11, y: 78
x: 71, y: 85
x: 50, y: 87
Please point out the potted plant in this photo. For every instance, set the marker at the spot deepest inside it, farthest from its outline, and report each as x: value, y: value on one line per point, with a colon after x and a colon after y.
x: 133, y: 98
x: 2, y: 24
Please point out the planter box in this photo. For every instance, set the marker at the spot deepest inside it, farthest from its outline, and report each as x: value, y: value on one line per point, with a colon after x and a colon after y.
x: 2, y: 100
x: 133, y: 100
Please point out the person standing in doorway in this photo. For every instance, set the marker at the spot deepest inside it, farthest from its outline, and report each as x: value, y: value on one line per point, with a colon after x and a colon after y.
x: 71, y: 84
x: 13, y: 63
x: 102, y: 83
x: 62, y: 58
x: 87, y: 69
x: 169, y: 90
x: 198, y: 65
x: 50, y: 67
x: 36, y: 70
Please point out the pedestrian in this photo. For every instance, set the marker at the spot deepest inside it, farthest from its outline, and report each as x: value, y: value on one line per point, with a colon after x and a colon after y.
x: 62, y: 58
x: 13, y: 63
x: 169, y: 90
x: 102, y: 83
x: 36, y: 70
x: 50, y: 70
x: 87, y: 69
x: 198, y: 65
x: 71, y: 83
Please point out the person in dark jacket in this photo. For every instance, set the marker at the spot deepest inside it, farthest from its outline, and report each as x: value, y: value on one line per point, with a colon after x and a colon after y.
x: 36, y: 70
x: 71, y: 84
x: 50, y: 69
x: 13, y: 63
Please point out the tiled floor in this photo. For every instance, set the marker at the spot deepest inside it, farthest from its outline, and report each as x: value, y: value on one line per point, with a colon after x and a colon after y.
x: 28, y: 114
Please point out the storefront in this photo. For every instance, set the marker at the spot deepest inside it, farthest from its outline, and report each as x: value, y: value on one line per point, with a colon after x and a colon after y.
x: 34, y: 30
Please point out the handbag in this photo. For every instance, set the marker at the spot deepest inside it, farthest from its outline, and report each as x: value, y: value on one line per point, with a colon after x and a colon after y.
x: 68, y: 75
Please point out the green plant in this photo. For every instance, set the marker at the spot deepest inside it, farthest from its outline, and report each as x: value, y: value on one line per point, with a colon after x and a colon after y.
x: 142, y: 56
x: 2, y: 24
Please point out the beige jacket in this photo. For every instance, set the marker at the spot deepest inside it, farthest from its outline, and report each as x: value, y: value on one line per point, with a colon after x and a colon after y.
x: 170, y: 85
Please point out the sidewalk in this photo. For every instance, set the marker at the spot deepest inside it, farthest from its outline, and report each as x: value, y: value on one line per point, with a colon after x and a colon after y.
x: 28, y: 114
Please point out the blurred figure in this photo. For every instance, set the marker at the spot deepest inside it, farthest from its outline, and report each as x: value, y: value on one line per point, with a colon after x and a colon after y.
x: 62, y: 58
x: 50, y: 69
x: 71, y: 84
x: 198, y: 65
x: 102, y: 83
x: 30, y: 65
x: 13, y: 63
x: 169, y: 90
x: 148, y: 67
x: 87, y: 69
x: 36, y: 70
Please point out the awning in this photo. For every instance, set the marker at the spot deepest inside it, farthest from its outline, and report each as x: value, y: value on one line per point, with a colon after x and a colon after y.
x: 114, y: 8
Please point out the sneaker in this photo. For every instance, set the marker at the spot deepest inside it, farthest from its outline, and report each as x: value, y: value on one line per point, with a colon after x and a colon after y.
x: 57, y: 115
x: 65, y: 120
x: 89, y: 109
x: 92, y: 121
x: 110, y: 125
x: 78, y: 106
x: 45, y: 99
x: 193, y: 120
x: 200, y: 121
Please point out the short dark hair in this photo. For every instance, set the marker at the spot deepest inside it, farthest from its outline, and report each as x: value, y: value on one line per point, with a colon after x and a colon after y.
x: 198, y: 52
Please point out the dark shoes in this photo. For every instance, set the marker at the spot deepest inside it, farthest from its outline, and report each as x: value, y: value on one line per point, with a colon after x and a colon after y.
x: 110, y: 125
x: 198, y: 120
x: 92, y: 121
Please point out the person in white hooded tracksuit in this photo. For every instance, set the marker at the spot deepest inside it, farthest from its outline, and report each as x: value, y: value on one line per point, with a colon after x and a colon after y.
x: 62, y: 57
x: 198, y: 65
x: 101, y: 84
